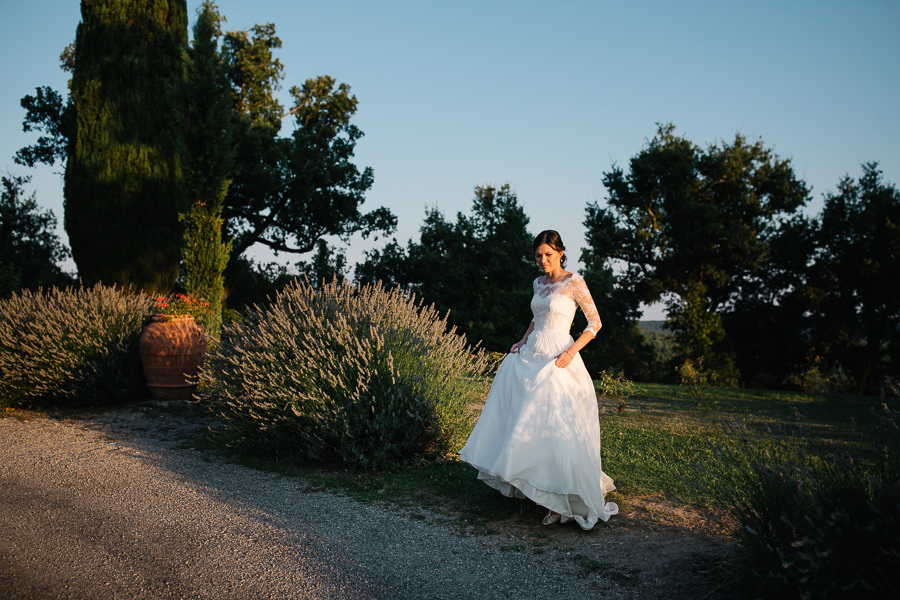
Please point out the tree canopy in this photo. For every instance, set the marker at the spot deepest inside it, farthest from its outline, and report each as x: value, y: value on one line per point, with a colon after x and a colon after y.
x: 139, y: 95
x: 693, y: 228
x: 30, y: 251
x: 291, y: 192
x: 124, y: 185
x: 854, y: 282
x: 479, y: 268
x: 208, y: 157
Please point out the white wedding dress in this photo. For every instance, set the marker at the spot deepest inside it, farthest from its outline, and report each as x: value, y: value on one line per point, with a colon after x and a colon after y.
x: 538, y: 436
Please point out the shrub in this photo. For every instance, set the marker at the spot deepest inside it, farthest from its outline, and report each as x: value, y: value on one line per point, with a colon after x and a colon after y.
x: 615, y: 386
x: 71, y: 345
x: 816, y: 520
x: 357, y: 374
x: 696, y: 378
x: 814, y: 381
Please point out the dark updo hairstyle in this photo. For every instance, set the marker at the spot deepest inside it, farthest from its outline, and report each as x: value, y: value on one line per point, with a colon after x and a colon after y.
x: 552, y: 239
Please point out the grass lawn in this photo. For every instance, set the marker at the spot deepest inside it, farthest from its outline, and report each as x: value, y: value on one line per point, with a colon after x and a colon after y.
x: 666, y: 443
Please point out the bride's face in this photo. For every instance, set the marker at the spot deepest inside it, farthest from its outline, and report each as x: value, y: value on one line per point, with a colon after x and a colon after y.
x: 547, y: 258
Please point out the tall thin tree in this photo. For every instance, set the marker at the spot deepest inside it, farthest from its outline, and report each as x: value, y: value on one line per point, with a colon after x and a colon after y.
x: 208, y: 164
x: 124, y: 186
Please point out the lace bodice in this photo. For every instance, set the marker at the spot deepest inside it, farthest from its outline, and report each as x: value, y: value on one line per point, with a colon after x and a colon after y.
x: 554, y: 305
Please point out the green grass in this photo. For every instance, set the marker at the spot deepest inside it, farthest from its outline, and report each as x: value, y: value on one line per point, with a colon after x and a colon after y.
x: 667, y: 444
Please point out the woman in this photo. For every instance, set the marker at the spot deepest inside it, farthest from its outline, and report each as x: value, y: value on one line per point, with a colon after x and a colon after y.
x: 538, y: 436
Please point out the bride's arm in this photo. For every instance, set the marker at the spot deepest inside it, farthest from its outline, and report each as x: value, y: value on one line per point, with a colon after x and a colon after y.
x: 524, y: 340
x: 583, y: 298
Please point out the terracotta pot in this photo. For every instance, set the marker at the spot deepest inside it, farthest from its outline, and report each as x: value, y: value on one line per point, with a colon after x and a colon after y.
x: 172, y: 349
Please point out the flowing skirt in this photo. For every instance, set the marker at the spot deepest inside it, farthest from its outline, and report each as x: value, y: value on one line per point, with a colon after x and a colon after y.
x: 538, y: 436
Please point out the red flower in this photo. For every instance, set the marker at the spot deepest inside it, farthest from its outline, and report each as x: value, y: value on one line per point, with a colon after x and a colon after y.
x: 179, y: 305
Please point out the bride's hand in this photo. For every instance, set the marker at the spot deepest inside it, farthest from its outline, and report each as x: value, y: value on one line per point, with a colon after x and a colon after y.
x: 563, y: 360
x: 516, y: 346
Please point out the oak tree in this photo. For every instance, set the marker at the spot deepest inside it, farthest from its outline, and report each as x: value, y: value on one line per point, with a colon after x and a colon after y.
x: 692, y: 228
x: 30, y: 251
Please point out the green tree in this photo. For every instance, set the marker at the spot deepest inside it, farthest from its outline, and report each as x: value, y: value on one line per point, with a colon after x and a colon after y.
x: 768, y: 327
x: 53, y: 116
x: 255, y: 74
x: 621, y: 345
x: 30, y: 251
x: 693, y: 228
x: 123, y: 182
x: 287, y: 193
x: 50, y: 114
x: 208, y: 137
x: 326, y: 265
x: 479, y: 268
x: 857, y: 291
x: 297, y: 190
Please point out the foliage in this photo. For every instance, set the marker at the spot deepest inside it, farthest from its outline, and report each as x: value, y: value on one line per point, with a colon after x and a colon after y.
x: 205, y: 260
x: 615, y: 386
x: 208, y: 119
x: 29, y: 248
x: 856, y: 293
x: 46, y: 112
x: 73, y: 345
x: 478, y: 268
x: 767, y: 330
x: 208, y: 135
x: 326, y: 265
x: 621, y: 344
x: 815, y: 381
x: 362, y: 375
x: 254, y: 73
x: 693, y: 228
x: 818, y: 520
x: 696, y: 379
x: 286, y: 193
x: 662, y: 353
x: 291, y: 192
x: 123, y: 181
x: 249, y: 282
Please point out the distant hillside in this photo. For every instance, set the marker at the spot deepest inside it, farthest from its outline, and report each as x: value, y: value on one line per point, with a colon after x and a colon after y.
x: 651, y: 325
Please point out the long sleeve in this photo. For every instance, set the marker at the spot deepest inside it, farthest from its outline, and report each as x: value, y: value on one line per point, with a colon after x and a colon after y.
x: 583, y: 298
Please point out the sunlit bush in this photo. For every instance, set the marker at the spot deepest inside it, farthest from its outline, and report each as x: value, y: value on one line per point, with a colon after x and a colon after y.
x: 613, y: 385
x: 71, y: 345
x: 355, y: 374
x: 696, y: 379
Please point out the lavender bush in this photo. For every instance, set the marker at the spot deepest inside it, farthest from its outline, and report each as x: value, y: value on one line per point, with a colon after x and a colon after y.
x: 360, y: 375
x: 72, y: 345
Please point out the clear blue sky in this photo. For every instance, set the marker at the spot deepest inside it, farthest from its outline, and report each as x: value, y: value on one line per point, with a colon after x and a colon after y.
x: 546, y: 95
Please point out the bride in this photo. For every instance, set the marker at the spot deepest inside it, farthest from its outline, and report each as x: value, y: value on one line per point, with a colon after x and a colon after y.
x: 538, y: 436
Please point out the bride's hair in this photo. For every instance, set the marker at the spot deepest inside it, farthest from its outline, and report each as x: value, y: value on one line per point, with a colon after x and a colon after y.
x: 552, y: 239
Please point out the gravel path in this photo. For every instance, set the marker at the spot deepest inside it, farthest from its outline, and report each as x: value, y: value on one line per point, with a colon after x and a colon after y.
x: 113, y: 507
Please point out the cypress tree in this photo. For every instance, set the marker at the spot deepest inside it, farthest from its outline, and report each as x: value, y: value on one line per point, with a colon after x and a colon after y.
x: 124, y: 186
x: 209, y: 162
